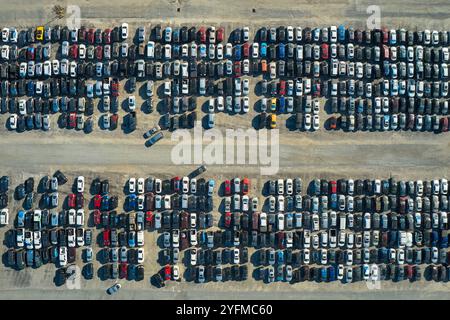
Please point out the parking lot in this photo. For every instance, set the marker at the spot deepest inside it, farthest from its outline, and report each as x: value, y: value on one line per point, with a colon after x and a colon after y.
x: 322, y: 154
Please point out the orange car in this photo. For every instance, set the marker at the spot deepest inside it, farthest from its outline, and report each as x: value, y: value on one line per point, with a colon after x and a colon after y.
x: 263, y: 65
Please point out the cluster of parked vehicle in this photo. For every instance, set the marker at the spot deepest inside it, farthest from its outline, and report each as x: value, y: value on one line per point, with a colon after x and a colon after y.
x: 47, y: 235
x: 345, y: 64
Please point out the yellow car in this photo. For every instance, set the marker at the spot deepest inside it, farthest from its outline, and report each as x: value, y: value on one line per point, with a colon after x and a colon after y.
x: 40, y: 33
x: 273, y: 121
x: 273, y: 105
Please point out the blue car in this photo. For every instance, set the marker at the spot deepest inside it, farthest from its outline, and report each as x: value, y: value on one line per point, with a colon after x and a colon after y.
x: 105, y: 203
x: 237, y: 52
x: 444, y: 241
x: 64, y: 102
x: 434, y: 238
x: 281, y: 51
x: 131, y: 240
x: 21, y: 219
x: 211, y: 185
x: 341, y: 33
x: 54, y: 220
x: 30, y: 257
x: 324, y: 274
x: 333, y: 201
x: 132, y: 201
x: 30, y: 88
x: 202, y: 50
x: 263, y: 50
x: 332, y: 273
x: 280, y: 256
x: 55, y: 105
x: 176, y: 50
x: 282, y: 105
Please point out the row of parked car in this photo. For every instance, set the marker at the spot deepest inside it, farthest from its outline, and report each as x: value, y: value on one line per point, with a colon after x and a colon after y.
x: 394, y: 122
x: 351, y: 187
x: 216, y: 34
x: 348, y: 274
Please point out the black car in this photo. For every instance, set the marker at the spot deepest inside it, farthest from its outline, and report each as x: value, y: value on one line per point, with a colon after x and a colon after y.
x: 62, y: 179
x: 29, y: 185
x: 139, y: 274
x: 88, y: 271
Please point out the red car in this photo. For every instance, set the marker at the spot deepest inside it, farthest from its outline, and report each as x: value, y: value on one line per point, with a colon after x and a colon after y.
x: 184, y: 220
x: 97, y: 217
x: 246, y: 50
x: 106, y: 234
x: 73, y: 51
x: 114, y: 120
x: 409, y: 272
x: 227, y: 187
x: 386, y: 54
x: 316, y: 88
x: 149, y: 218
x: 333, y: 187
x: 72, y: 120
x: 91, y: 36
x: 167, y: 272
x: 30, y: 53
x: 176, y: 183
x: 282, y: 88
x: 444, y: 124
x: 107, y: 36
x: 123, y: 270
x: 99, y: 52
x: 219, y: 34
x: 97, y: 201
x: 245, y: 185
x: 385, y: 33
x: 237, y: 68
x: 72, y: 200
x: 227, y: 219
x: 280, y: 238
x: 115, y: 87
x: 202, y: 34
x: 324, y: 51
x: 184, y: 243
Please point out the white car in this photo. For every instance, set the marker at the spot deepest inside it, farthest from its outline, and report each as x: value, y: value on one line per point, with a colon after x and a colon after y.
x: 280, y: 220
x: 193, y: 220
x: 124, y: 31
x: 245, y: 203
x: 140, y: 255
x: 72, y: 217
x: 175, y: 273
x: 236, y: 256
x: 185, y: 184
x: 80, y: 217
x: 4, y: 217
x: 80, y: 184
x: 132, y: 185
x: 167, y: 202
x: 71, y: 237
x: 20, y: 237
x: 140, y: 238
x: 193, y: 257
x: 193, y: 185
x: 131, y: 103
x: 140, y: 185
x: 237, y: 185
x: 62, y: 256
x: 13, y: 121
